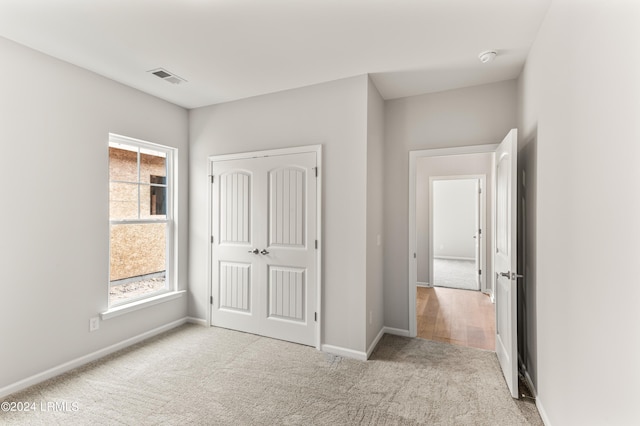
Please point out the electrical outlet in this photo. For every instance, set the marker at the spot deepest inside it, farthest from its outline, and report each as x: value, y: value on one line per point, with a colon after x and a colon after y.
x: 94, y: 323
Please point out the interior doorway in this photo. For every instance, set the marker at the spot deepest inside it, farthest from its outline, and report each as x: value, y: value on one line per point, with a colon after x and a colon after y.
x: 451, y: 308
x: 441, y: 311
x: 456, y: 239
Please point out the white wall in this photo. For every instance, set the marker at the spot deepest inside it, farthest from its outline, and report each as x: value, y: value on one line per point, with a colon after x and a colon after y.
x: 455, y: 218
x: 580, y: 102
x: 332, y: 114
x: 375, y: 207
x: 470, y: 116
x: 55, y: 120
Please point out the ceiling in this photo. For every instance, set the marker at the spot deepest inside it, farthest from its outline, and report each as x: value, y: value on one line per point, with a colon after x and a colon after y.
x: 233, y: 49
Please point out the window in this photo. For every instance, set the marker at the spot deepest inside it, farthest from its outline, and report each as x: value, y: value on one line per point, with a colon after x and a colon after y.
x: 140, y: 219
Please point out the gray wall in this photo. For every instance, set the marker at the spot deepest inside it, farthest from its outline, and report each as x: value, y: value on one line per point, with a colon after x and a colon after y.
x: 579, y: 95
x: 375, y: 203
x: 450, y: 165
x: 55, y: 120
x: 332, y: 114
x: 471, y: 116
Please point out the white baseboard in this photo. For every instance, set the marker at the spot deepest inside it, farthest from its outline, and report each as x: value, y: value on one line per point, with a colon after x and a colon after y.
x: 375, y: 342
x: 363, y: 356
x: 396, y: 331
x: 454, y: 258
x: 78, y: 362
x: 197, y: 321
x: 543, y: 413
x: 344, y: 352
x: 421, y: 284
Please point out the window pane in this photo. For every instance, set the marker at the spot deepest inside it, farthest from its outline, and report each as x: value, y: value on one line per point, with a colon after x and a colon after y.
x: 123, y: 164
x: 138, y: 260
x: 153, y: 202
x: 123, y: 201
x: 152, y: 164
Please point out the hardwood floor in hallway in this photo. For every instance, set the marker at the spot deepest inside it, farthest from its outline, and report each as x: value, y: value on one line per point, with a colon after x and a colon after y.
x: 459, y: 317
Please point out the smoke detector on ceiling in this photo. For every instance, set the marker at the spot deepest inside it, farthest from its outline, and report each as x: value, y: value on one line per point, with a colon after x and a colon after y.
x: 488, y: 56
x: 167, y: 76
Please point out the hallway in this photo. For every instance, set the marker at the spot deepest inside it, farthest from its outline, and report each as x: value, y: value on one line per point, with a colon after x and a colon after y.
x: 459, y: 317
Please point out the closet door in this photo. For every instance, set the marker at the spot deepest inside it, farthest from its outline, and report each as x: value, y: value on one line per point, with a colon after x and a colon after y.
x: 263, y: 256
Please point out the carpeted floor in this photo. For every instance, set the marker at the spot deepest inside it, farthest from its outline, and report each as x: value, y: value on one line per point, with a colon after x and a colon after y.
x: 454, y: 273
x: 208, y: 376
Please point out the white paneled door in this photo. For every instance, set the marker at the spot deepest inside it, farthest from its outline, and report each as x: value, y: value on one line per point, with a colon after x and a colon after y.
x: 264, y: 256
x: 506, y: 260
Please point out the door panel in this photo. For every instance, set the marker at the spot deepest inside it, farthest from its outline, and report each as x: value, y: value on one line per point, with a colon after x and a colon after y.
x: 287, y: 293
x: 263, y: 259
x: 287, y: 207
x: 235, y: 286
x: 235, y: 207
x: 506, y: 259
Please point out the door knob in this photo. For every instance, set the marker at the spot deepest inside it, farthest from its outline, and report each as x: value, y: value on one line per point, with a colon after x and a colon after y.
x: 254, y: 251
x: 505, y: 274
x: 264, y: 251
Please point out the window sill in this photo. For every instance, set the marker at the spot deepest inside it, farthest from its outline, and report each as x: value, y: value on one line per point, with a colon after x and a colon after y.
x: 140, y: 304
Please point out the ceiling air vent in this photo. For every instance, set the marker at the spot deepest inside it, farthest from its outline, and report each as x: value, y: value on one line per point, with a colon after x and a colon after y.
x: 167, y: 76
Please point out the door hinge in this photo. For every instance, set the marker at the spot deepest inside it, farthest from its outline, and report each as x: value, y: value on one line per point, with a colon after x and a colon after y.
x: 315, y: 316
x: 316, y: 244
x: 213, y: 178
x: 212, y: 239
x: 414, y: 255
x: 211, y: 300
x: 479, y: 190
x: 479, y: 231
x: 479, y: 271
x: 316, y: 170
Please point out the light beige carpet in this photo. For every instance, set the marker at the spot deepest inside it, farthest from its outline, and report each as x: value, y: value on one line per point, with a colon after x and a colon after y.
x: 209, y: 376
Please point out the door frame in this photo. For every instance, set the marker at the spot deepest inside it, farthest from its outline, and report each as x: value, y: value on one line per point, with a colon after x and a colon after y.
x: 413, y: 244
x: 482, y: 206
x: 317, y: 149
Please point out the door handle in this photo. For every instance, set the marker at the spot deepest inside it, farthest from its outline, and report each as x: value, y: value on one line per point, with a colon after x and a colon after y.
x: 254, y: 251
x: 511, y: 275
x: 264, y: 251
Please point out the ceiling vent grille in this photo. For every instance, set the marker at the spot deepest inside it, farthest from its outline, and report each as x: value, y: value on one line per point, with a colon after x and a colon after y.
x: 167, y: 76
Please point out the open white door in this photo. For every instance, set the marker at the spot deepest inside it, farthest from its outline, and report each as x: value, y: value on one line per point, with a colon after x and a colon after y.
x: 506, y: 259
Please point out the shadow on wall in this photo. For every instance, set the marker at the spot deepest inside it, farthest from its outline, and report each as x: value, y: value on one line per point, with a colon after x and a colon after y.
x: 527, y: 174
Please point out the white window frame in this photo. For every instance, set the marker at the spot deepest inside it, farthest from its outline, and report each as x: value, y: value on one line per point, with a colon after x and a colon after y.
x: 170, y: 290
